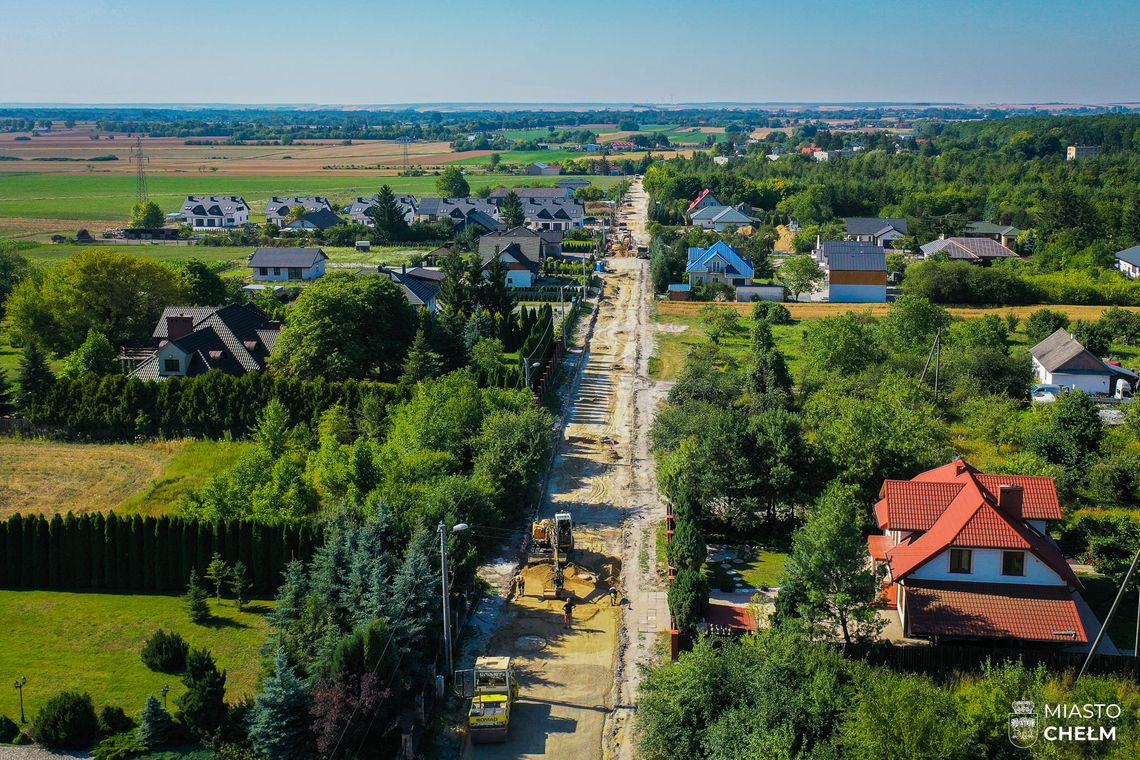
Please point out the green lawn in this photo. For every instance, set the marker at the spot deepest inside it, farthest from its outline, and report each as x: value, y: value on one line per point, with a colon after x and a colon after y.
x: 50, y: 254
x: 766, y: 568
x: 91, y: 642
x: 110, y: 196
x: 187, y: 471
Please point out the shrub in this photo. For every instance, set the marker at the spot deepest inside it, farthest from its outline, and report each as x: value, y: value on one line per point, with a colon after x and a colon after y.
x: 771, y: 312
x: 112, y: 720
x: 165, y: 652
x: 119, y: 747
x: 67, y: 721
x: 8, y: 730
x: 154, y: 723
x: 21, y: 738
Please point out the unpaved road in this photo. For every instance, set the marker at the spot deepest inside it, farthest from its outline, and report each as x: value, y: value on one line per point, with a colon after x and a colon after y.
x: 578, y: 685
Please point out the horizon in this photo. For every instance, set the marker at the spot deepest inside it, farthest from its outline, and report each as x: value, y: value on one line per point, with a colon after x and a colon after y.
x: 663, y: 53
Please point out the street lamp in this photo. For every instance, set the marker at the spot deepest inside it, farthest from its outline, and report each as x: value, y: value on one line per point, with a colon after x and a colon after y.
x: 165, y: 691
x: 446, y: 592
x: 20, y: 683
x: 528, y: 366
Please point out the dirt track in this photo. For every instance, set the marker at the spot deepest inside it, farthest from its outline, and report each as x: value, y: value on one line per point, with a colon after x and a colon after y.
x: 577, y: 685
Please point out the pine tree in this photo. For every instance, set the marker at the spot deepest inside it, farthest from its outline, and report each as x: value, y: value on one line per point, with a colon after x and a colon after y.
x: 202, y: 708
x: 35, y: 375
x: 421, y: 364
x: 217, y: 572
x: 279, y: 719
x: 239, y: 584
x: 154, y: 724
x: 290, y: 596
x: 7, y: 395
x: 511, y: 210
x: 388, y: 217
x: 197, y: 603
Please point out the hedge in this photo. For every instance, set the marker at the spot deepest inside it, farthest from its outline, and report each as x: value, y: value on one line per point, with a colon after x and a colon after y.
x: 93, y: 551
x: 213, y: 405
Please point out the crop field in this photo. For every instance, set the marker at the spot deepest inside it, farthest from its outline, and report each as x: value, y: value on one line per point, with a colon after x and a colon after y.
x: 816, y: 310
x: 47, y: 477
x: 482, y: 158
x: 91, y: 642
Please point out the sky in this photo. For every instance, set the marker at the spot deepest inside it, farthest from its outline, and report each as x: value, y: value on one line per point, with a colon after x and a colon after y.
x: 337, y: 52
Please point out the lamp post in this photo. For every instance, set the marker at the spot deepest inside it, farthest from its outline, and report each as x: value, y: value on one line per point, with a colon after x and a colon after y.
x: 528, y: 366
x: 446, y: 594
x: 20, y: 683
x: 165, y: 691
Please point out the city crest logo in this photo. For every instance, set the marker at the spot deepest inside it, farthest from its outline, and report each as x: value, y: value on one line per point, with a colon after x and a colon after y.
x: 1023, y: 724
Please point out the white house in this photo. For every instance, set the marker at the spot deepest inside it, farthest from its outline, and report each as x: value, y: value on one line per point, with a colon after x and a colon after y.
x: 277, y: 209
x: 215, y: 211
x: 880, y: 231
x: 718, y: 263
x: 967, y: 557
x: 719, y: 218
x: 1061, y: 360
x: 274, y: 264
x: 521, y: 269
x: 1128, y: 261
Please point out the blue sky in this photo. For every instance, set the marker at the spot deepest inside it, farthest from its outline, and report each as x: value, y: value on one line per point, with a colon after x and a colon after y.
x: 396, y: 51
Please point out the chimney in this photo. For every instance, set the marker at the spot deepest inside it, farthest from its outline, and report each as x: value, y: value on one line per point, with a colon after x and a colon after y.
x: 1010, y: 499
x: 179, y: 326
x: 404, y: 268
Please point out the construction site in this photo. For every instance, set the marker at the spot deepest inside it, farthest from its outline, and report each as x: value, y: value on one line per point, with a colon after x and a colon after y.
x: 576, y: 679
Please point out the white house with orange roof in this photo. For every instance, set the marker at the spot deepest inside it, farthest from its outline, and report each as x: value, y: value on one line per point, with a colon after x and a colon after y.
x: 967, y: 557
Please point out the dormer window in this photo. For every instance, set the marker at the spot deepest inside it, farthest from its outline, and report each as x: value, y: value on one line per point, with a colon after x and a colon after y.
x: 961, y: 561
x: 1013, y: 563
x: 172, y: 365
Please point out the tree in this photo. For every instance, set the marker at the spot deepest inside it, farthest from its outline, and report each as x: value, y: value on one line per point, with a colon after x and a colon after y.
x: 146, y: 216
x: 830, y: 567
x: 494, y: 293
x: 1070, y: 437
x: 154, y: 724
x: 1043, y: 323
x: 457, y: 292
x: 452, y: 184
x: 202, y: 708
x: 203, y: 285
x: 511, y: 210
x: 36, y: 377
x: 421, y: 363
x: 118, y: 294
x: 388, y: 217
x: 343, y: 326
x: 217, y: 572
x: 94, y: 356
x: 720, y: 322
x: 13, y: 269
x: 800, y: 274
x: 7, y: 395
x: 279, y: 718
x: 197, y: 603
x: 688, y: 600
x: 165, y: 652
x: 239, y: 584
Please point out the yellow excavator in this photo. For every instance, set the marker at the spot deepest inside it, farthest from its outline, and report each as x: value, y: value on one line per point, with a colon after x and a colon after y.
x: 492, y: 688
x: 552, y: 540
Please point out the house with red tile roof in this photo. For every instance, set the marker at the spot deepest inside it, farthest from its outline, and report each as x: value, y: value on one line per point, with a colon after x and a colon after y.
x: 967, y: 557
x: 706, y: 198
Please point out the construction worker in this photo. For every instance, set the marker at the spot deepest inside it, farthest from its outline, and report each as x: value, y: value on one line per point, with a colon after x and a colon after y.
x: 522, y: 584
x: 568, y: 614
x: 613, y: 596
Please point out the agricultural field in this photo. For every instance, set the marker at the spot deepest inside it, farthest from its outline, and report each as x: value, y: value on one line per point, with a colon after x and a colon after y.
x: 482, y: 158
x: 92, y: 641
x: 149, y: 478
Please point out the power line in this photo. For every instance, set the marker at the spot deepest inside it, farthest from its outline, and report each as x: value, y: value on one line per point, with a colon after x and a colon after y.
x: 140, y: 160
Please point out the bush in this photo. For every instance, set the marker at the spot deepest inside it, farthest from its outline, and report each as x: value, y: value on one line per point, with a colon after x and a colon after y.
x: 112, y: 720
x: 771, y: 312
x: 119, y: 747
x: 165, y: 652
x: 8, y: 730
x: 67, y: 721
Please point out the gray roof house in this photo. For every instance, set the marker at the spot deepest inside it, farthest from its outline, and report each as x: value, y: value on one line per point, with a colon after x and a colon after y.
x: 977, y: 250
x: 1061, y: 360
x: 719, y: 218
x: 421, y: 292
x: 554, y: 214
x: 1002, y: 233
x: 278, y: 208
x: 1128, y: 261
x: 358, y: 211
x: 521, y: 269
x: 192, y: 340
x: 321, y: 219
x: 456, y: 209
x: 536, y: 244
x: 275, y: 264
x: 214, y: 211
x: 878, y: 230
x: 825, y: 249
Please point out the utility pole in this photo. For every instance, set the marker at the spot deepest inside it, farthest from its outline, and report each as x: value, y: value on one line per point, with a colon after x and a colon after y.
x: 449, y: 673
x: 1111, y: 612
x: 140, y: 161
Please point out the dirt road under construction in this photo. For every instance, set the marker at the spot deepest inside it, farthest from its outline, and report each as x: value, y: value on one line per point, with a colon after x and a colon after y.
x: 578, y: 685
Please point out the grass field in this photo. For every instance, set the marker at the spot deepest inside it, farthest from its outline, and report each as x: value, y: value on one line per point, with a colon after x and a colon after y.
x: 107, y: 197
x: 766, y: 568
x: 521, y: 157
x: 51, y: 254
x: 149, y: 478
x: 91, y: 642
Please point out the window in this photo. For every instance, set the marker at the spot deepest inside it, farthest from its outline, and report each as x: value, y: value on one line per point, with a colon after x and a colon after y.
x: 960, y: 560
x: 263, y: 271
x: 276, y: 271
x: 1013, y: 563
x: 294, y: 273
x: 171, y: 365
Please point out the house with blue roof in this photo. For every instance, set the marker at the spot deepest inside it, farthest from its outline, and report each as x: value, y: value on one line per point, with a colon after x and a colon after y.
x: 718, y: 263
